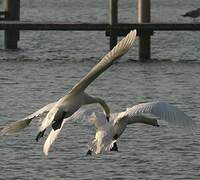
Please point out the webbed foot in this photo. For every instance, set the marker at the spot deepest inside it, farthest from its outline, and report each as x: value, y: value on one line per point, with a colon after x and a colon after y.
x: 89, y: 153
x: 114, y: 147
x: 57, y: 125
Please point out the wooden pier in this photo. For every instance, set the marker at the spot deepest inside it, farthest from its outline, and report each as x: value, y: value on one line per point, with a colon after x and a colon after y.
x: 121, y: 28
x: 11, y: 24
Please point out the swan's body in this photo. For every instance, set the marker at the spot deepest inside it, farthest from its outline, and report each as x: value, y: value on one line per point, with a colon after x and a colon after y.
x: 66, y: 107
x: 70, y: 103
x: 146, y: 113
x: 107, y: 133
x: 193, y: 14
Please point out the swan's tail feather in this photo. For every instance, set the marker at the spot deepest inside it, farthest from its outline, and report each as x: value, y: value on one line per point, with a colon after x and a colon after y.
x: 15, y: 127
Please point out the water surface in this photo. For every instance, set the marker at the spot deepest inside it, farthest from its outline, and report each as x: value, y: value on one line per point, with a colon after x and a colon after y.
x: 48, y: 64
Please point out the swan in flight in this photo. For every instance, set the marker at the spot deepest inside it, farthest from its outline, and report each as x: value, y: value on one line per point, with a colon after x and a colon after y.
x: 70, y: 103
x: 107, y: 133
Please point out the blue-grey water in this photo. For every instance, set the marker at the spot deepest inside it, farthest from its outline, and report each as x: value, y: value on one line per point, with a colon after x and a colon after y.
x: 48, y: 64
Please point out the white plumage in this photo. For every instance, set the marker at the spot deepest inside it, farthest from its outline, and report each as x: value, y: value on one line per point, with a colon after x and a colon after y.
x: 23, y: 123
x: 66, y: 106
x: 108, y: 132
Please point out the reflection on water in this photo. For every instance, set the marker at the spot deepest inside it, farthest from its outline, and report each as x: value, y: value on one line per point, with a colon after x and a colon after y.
x: 48, y: 64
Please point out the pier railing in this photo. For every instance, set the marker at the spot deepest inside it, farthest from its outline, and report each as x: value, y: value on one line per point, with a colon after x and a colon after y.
x: 2, y: 15
x: 11, y: 24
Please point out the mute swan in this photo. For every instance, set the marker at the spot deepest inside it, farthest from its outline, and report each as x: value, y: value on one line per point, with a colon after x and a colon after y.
x: 107, y: 133
x: 70, y: 103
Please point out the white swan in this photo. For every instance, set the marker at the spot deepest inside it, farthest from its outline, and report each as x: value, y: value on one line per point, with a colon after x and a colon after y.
x: 70, y: 103
x: 107, y: 133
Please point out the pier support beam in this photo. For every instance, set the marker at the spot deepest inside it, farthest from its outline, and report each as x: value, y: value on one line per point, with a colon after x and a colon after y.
x: 113, y: 19
x: 11, y: 37
x: 144, y: 16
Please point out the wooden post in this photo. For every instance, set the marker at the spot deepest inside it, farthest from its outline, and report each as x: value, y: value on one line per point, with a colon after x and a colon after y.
x: 113, y: 19
x: 12, y: 8
x: 144, y: 16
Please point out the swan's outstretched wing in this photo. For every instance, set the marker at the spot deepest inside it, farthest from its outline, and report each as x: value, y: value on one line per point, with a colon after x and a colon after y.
x: 157, y: 109
x: 81, y: 114
x: 52, y: 137
x: 23, y: 123
x: 121, y: 48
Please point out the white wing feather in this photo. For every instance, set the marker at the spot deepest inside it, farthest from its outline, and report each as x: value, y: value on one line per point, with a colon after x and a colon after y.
x: 143, y: 113
x: 81, y: 114
x: 121, y: 48
x: 160, y: 110
x: 23, y: 123
x: 51, y: 138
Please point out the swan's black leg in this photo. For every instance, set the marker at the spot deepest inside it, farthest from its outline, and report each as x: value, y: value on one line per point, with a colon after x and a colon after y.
x: 114, y: 148
x: 89, y: 153
x: 57, y: 123
x: 107, y: 118
x: 40, y: 135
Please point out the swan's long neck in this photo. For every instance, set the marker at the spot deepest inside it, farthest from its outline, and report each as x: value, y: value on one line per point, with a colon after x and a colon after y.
x: 103, y: 104
x: 83, y: 98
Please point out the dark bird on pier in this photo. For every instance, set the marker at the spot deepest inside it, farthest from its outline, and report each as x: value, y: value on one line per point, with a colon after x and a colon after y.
x: 193, y: 14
